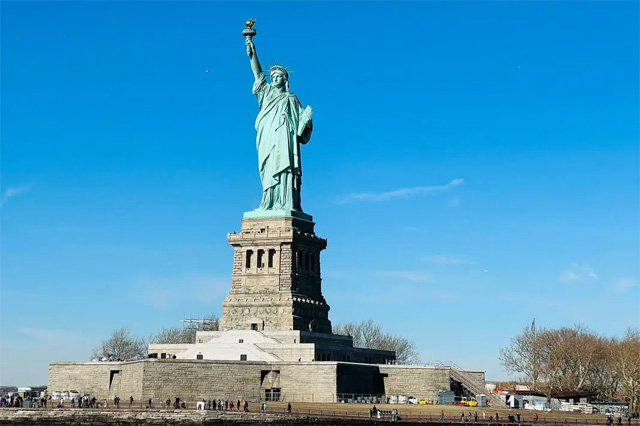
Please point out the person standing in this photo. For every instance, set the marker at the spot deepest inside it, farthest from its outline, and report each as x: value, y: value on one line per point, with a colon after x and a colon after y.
x: 289, y: 408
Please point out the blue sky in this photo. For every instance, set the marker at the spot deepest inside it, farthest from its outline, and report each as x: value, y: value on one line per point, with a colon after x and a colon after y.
x: 473, y: 165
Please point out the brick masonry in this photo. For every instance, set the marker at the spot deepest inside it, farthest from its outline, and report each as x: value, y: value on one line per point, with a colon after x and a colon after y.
x: 420, y: 382
x: 276, y: 278
x: 193, y: 380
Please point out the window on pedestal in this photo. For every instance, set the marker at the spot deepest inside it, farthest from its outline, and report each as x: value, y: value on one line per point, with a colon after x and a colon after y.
x: 299, y: 259
x: 272, y: 255
x: 248, y: 259
x: 312, y: 262
x: 306, y: 260
x: 260, y: 258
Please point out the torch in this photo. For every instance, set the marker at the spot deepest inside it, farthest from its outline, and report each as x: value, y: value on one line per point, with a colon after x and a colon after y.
x: 249, y: 32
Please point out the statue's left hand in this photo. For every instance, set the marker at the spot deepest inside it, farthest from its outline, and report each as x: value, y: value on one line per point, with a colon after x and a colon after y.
x: 307, y: 114
x: 305, y: 120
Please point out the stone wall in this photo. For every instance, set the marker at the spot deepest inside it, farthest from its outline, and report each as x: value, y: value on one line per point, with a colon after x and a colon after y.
x: 308, y: 382
x: 193, y: 380
x: 420, y: 382
x: 28, y: 417
x: 101, y: 379
x: 196, y: 379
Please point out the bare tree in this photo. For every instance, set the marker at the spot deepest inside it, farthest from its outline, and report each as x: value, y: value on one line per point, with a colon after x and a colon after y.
x: 575, y: 359
x: 405, y: 349
x: 628, y: 367
x: 573, y: 353
x: 604, y: 378
x: 368, y: 334
x: 122, y: 345
x: 524, y: 356
x: 174, y: 335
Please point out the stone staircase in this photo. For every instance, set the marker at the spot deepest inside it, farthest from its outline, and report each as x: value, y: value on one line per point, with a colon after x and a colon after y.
x: 468, y: 382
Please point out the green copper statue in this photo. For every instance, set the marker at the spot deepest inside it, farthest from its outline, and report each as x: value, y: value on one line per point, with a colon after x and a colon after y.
x: 282, y: 125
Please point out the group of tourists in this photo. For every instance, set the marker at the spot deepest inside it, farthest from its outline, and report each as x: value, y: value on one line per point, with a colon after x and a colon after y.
x: 218, y: 404
x: 375, y: 412
x: 84, y: 402
x: 42, y: 401
x: 11, y: 401
x: 610, y: 419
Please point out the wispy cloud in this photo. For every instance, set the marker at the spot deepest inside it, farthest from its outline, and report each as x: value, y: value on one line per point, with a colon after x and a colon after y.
x: 14, y: 191
x: 168, y: 291
x: 402, y: 192
x: 577, y: 274
x: 447, y: 260
x: 625, y: 284
x: 416, y: 276
x: 43, y: 333
x: 454, y: 202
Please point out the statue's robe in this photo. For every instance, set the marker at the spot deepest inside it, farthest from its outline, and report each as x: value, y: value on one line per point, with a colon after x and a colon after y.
x: 278, y: 146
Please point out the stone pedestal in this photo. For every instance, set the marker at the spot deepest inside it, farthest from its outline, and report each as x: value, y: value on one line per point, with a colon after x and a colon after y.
x: 276, y: 280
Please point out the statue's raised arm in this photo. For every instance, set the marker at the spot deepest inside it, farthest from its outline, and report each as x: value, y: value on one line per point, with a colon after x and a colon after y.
x: 248, y: 34
x: 255, y: 62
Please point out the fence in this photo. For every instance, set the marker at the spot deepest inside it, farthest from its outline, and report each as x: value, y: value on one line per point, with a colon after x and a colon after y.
x: 356, y: 398
x: 526, y: 419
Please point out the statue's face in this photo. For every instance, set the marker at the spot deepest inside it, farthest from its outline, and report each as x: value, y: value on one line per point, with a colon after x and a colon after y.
x: 278, y: 79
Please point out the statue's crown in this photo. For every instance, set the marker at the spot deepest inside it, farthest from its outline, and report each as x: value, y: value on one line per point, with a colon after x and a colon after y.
x: 279, y: 68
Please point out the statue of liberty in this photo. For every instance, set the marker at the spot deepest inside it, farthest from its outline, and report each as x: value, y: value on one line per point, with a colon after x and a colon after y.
x: 282, y: 125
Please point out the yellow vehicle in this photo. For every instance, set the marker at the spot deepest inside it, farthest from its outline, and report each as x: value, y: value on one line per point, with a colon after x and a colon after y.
x: 466, y: 401
x: 469, y: 402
